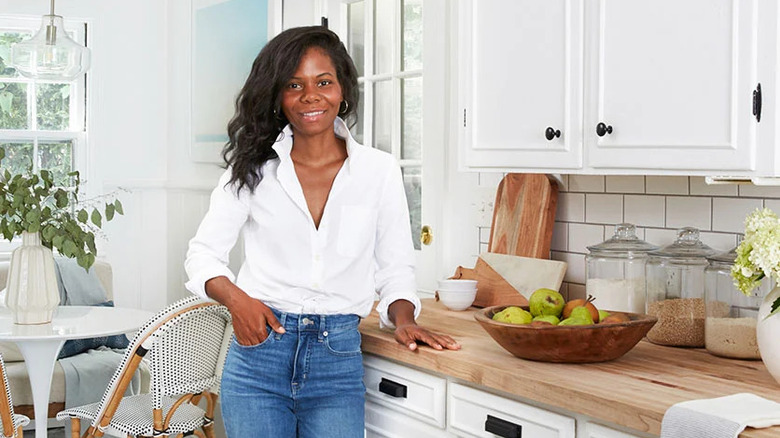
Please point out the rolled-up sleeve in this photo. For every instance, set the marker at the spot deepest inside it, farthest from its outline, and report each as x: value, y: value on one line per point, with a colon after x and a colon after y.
x: 394, y: 251
x: 208, y: 252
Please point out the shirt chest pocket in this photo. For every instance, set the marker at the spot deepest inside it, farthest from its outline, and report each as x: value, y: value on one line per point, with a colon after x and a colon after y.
x: 357, y: 230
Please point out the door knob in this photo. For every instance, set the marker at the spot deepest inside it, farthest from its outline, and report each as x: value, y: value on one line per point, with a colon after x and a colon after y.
x: 551, y: 133
x: 426, y: 235
x: 602, y: 129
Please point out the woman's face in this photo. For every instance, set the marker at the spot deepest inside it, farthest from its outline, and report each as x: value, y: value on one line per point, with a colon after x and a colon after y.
x: 311, y: 99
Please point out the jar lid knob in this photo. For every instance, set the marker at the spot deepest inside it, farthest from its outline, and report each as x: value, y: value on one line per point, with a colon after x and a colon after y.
x: 625, y: 231
x: 688, y: 235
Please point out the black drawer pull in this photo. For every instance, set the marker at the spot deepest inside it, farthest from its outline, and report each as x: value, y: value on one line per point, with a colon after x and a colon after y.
x: 392, y: 389
x: 503, y: 428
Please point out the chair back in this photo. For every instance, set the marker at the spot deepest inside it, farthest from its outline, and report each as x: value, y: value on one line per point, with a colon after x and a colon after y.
x: 7, y: 426
x: 185, y: 343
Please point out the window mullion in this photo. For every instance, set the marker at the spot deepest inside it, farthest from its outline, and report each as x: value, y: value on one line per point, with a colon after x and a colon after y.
x: 368, y: 71
x: 396, y: 66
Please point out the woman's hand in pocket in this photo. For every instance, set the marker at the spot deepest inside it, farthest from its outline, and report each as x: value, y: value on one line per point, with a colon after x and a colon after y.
x: 251, y: 317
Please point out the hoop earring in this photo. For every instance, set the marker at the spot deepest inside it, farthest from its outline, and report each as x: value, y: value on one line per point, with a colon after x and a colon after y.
x: 346, y: 107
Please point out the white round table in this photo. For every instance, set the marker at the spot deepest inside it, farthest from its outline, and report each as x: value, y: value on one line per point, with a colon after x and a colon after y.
x: 40, y: 344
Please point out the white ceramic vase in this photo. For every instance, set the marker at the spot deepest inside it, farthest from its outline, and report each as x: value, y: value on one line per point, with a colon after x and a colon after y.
x: 32, y: 293
x: 768, y: 334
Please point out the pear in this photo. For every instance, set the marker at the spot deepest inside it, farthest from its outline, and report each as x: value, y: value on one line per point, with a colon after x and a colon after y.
x: 579, y: 302
x: 513, y: 315
x: 583, y: 313
x: 552, y: 319
x: 603, y: 314
x: 616, y: 318
x: 576, y: 321
x: 546, y: 302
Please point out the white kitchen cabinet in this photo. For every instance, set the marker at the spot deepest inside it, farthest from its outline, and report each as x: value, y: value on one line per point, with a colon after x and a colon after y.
x: 387, y: 423
x: 672, y: 83
x: 475, y: 413
x: 520, y: 74
x: 593, y: 430
x: 674, y: 80
x: 415, y: 394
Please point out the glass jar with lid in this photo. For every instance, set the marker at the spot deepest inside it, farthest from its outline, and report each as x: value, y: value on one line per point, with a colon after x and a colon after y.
x: 675, y: 290
x: 615, y: 271
x: 730, y: 326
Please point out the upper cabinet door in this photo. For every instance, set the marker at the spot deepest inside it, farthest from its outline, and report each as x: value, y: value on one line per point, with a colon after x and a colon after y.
x: 520, y: 75
x: 671, y: 83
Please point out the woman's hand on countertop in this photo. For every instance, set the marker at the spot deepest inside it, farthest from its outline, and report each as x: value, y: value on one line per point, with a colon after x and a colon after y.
x: 407, y: 332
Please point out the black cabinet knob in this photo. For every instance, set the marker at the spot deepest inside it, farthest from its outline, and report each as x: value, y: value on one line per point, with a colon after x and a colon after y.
x: 602, y: 129
x: 551, y: 133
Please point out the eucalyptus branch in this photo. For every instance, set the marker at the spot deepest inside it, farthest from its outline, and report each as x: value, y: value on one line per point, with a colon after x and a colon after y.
x: 31, y: 202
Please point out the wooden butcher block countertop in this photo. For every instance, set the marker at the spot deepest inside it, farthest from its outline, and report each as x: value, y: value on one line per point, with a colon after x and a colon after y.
x: 633, y: 391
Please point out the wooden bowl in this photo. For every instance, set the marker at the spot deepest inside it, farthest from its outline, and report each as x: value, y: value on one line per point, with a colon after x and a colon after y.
x: 566, y: 344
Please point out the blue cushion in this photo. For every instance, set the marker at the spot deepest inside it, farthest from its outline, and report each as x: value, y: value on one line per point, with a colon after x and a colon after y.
x: 77, y: 346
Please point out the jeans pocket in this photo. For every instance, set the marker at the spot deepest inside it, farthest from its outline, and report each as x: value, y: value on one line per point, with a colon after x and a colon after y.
x: 263, y: 343
x: 343, y: 343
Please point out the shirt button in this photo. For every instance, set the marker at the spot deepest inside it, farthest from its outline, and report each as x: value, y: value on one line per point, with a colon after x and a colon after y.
x: 317, y: 258
x: 315, y: 285
x: 325, y: 333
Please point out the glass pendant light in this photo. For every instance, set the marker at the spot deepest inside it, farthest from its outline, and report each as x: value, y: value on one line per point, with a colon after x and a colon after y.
x: 50, y: 54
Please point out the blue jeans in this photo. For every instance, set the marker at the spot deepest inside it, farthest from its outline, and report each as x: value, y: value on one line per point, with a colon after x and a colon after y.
x: 307, y: 382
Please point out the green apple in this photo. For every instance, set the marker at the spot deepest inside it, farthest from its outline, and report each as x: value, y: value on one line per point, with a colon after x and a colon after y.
x: 546, y: 302
x: 552, y: 319
x: 603, y: 314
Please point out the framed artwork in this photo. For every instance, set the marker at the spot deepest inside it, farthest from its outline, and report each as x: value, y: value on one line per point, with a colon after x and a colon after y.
x: 227, y: 35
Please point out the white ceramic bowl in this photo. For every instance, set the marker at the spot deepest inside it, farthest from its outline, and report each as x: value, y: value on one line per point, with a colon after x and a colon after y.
x: 458, y: 284
x: 457, y: 299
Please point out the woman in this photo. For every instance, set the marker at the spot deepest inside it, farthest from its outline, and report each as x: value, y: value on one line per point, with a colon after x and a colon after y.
x: 325, y: 228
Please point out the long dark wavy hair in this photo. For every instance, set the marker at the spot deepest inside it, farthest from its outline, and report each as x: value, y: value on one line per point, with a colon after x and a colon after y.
x: 259, y: 120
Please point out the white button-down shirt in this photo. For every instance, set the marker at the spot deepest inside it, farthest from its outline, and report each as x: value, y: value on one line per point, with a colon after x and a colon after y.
x: 362, y: 247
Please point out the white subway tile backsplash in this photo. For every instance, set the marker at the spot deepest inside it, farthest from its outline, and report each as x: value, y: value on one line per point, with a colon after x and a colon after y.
x: 571, y: 207
x: 484, y: 234
x: 700, y: 187
x: 720, y: 242
x: 684, y: 211
x: 590, y: 206
x: 575, y: 270
x: 644, y: 210
x: 625, y: 184
x: 586, y: 183
x: 750, y: 190
x: 490, y: 179
x: 660, y: 236
x: 772, y: 204
x: 560, y: 237
x: 728, y: 214
x: 666, y: 185
x: 576, y: 291
x: 584, y: 235
x: 603, y: 209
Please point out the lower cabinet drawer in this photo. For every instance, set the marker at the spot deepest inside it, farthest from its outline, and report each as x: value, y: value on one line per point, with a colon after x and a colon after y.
x: 412, y: 393
x: 594, y: 430
x: 387, y: 423
x: 474, y: 413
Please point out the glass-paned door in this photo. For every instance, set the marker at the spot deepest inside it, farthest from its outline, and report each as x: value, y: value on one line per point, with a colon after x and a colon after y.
x: 387, y: 41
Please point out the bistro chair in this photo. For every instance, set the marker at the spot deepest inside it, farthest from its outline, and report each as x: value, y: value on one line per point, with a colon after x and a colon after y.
x: 185, y: 346
x: 11, y: 423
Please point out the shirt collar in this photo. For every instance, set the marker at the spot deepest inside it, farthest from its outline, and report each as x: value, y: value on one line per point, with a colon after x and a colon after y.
x: 283, y: 146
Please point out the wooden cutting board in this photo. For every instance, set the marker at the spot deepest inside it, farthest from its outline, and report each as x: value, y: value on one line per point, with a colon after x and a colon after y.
x: 523, y: 215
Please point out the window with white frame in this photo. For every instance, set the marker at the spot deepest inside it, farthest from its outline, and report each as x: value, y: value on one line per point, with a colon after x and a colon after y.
x: 42, y: 123
x: 384, y: 38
